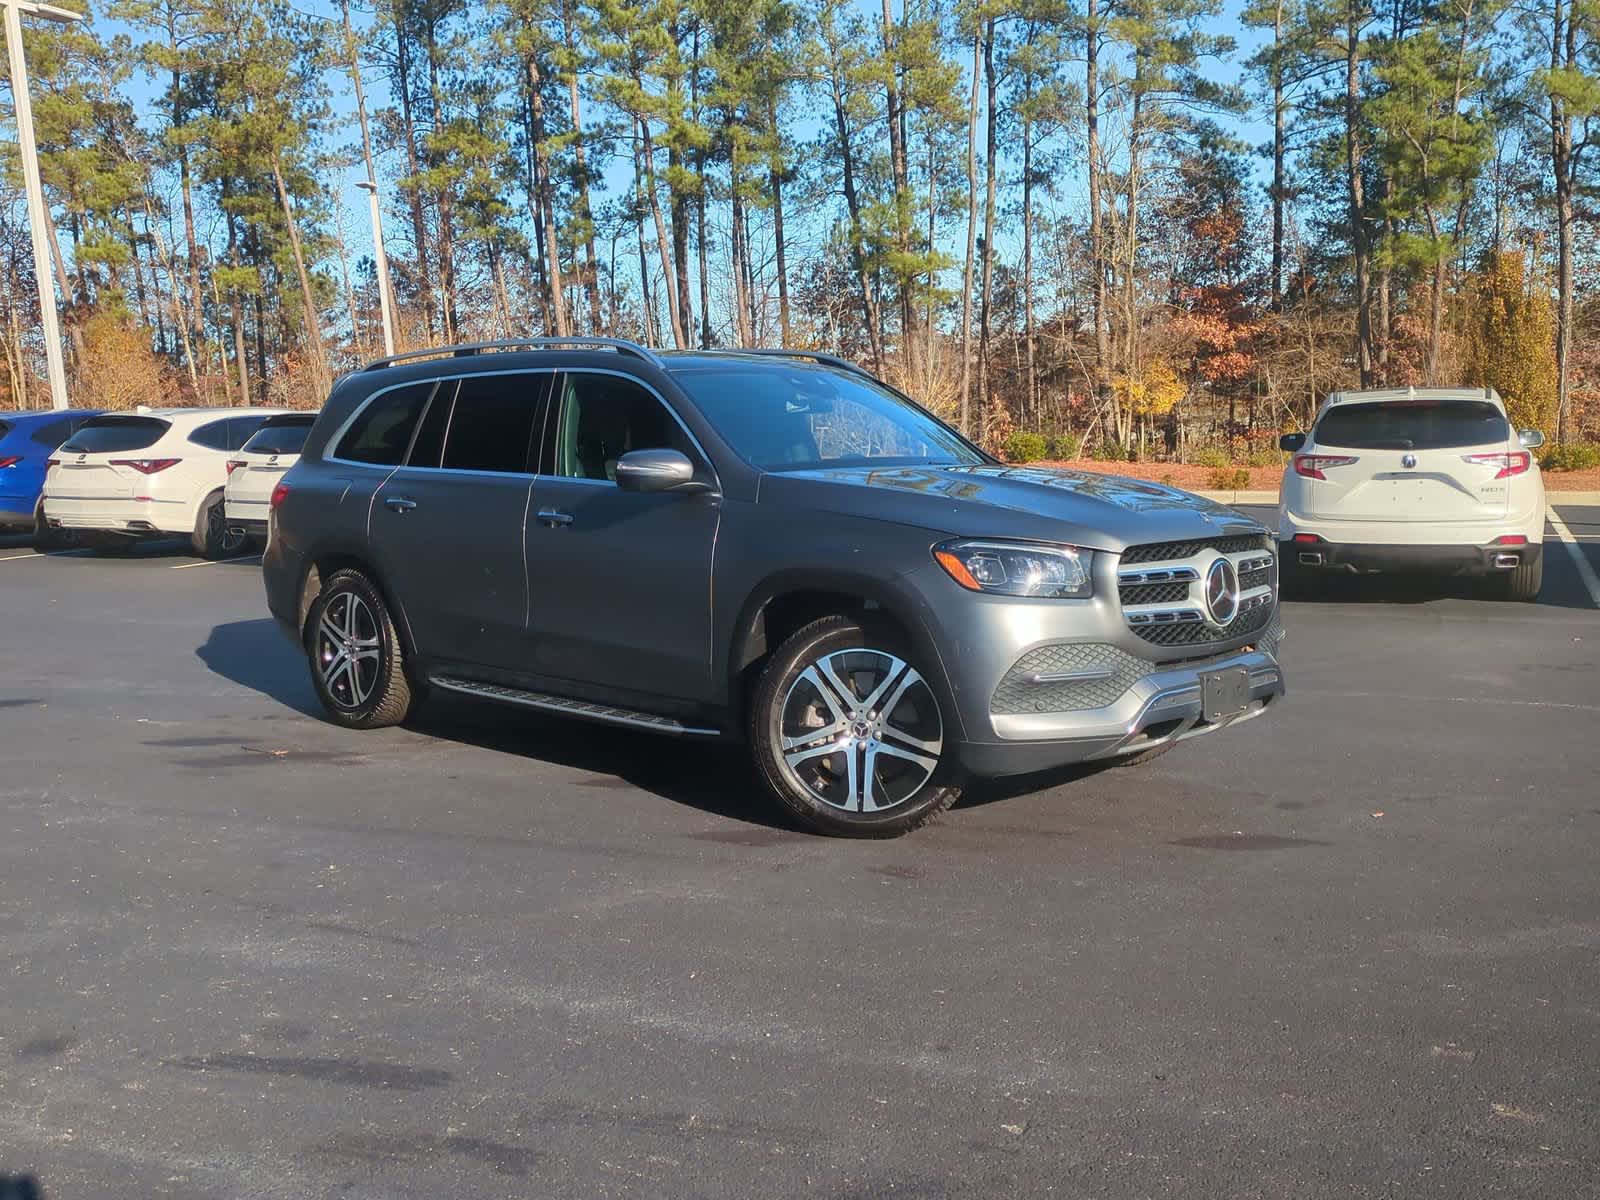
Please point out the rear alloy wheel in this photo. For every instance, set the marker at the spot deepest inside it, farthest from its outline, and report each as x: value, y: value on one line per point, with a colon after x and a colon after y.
x: 355, y: 655
x: 848, y: 735
x: 212, y: 538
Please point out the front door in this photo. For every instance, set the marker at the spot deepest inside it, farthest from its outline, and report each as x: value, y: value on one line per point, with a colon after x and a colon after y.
x: 447, y: 525
x: 619, y: 582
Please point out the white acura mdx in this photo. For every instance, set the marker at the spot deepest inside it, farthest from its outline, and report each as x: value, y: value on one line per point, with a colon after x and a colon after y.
x: 256, y: 469
x: 151, y: 473
x: 1414, y: 479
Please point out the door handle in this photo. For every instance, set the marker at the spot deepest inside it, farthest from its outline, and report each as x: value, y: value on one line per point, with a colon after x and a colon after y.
x: 399, y: 504
x: 552, y: 518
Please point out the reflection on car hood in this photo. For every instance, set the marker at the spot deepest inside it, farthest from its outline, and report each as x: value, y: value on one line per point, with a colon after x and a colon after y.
x: 1045, y: 503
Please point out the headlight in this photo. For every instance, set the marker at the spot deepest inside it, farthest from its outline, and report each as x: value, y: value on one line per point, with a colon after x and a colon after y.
x: 1019, y: 569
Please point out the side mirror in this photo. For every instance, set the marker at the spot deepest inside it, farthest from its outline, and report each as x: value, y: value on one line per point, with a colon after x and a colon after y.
x: 1531, y: 439
x: 1291, y: 442
x: 657, y: 471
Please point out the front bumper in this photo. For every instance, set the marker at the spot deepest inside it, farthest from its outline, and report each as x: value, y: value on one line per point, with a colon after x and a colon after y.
x: 1163, y: 707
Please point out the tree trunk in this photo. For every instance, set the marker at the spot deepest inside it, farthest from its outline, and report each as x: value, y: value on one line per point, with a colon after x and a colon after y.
x: 852, y: 201
x: 584, y: 213
x: 972, y: 238
x: 775, y: 179
x: 444, y: 201
x: 1030, y: 371
x: 541, y: 171
x: 1366, y: 357
x: 678, y: 210
x: 1279, y: 115
x: 1104, y: 394
x: 313, y: 326
x: 648, y: 148
x: 1563, y: 54
x: 992, y: 172
x: 419, y: 223
x: 901, y: 172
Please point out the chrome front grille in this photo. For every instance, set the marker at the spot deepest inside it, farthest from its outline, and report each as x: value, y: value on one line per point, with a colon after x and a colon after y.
x: 1161, y: 587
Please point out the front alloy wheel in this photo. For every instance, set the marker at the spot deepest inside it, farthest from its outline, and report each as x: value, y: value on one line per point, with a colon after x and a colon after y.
x: 848, y: 734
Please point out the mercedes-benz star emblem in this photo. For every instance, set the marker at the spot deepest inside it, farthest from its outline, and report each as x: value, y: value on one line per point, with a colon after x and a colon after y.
x: 1222, y: 591
x: 1408, y: 460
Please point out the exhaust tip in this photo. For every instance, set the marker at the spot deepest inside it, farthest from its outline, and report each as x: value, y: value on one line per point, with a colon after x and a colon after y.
x: 1507, y: 562
x: 1310, y: 558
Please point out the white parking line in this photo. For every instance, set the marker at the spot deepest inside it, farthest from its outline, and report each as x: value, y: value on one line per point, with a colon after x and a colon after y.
x: 20, y: 557
x: 213, y: 562
x: 1579, y: 560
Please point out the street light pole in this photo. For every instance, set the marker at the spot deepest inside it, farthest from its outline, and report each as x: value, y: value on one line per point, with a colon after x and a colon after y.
x: 371, y: 189
x: 38, y: 214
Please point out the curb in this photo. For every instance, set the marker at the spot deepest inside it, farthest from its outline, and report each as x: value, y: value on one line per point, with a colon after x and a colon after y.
x: 1551, y: 497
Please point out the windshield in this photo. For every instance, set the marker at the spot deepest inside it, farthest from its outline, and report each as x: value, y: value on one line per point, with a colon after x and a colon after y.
x: 1412, y: 425
x: 107, y: 435
x: 286, y: 437
x: 789, y: 418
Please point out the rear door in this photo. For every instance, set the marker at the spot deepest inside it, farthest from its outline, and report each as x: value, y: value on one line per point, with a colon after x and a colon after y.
x: 1413, y: 461
x: 447, y: 525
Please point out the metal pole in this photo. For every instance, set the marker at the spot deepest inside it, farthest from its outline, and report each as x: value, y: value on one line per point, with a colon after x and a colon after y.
x: 378, y: 253
x: 38, y: 214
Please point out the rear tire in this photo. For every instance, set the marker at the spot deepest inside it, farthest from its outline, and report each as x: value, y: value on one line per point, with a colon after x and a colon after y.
x: 1522, y: 585
x: 211, y: 538
x: 356, y: 659
x: 847, y: 734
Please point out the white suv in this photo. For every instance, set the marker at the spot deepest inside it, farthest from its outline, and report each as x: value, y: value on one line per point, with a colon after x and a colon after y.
x: 154, y: 472
x: 1415, y: 479
x: 256, y: 469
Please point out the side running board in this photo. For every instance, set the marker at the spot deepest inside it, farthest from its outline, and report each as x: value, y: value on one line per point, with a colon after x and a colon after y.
x: 567, y: 707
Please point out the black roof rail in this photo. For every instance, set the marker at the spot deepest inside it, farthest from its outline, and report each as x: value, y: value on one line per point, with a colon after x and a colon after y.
x: 620, y: 345
x: 816, y: 356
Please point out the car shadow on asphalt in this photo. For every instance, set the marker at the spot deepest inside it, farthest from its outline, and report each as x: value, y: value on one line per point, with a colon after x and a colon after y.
x: 712, y: 777
x: 1562, y: 588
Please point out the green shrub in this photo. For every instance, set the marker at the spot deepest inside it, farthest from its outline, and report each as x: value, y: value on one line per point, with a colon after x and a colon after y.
x: 1265, y: 456
x: 1212, y: 456
x: 1064, y: 446
x: 1574, y: 456
x: 1113, y: 452
x: 1228, y: 479
x: 1024, y: 447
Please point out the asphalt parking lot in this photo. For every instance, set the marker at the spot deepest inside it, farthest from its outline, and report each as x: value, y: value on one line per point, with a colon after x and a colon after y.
x: 1349, y: 949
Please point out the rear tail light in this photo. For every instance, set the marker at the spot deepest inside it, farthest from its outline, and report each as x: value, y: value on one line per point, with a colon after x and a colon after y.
x: 146, y: 466
x: 234, y: 464
x: 10, y: 461
x: 1307, y: 538
x: 1510, y: 539
x: 1311, y: 466
x: 279, y: 494
x: 1514, y: 463
x: 51, y: 462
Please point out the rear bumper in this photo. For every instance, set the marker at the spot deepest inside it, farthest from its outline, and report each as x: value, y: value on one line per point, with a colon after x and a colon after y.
x: 136, y: 518
x: 1423, y: 559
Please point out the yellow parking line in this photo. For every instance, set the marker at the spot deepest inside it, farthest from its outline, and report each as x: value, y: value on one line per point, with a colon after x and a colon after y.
x: 213, y: 562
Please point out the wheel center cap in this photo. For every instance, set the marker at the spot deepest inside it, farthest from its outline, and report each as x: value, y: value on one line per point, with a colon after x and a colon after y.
x: 861, y: 729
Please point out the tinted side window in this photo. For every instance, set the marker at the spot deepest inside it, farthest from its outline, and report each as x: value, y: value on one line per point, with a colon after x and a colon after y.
x: 492, y: 426
x: 382, y: 429
x: 428, y: 446
x: 603, y: 417
x: 50, y: 434
x: 213, y: 435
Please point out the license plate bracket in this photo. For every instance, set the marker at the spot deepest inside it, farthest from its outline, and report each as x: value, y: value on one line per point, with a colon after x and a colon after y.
x: 1224, y: 693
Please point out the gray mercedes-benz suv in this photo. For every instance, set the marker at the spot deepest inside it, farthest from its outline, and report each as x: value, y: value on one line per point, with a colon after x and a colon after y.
x: 759, y: 545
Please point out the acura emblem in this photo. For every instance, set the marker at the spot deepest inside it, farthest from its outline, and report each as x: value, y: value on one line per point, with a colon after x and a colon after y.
x: 1222, y: 591
x: 1408, y: 460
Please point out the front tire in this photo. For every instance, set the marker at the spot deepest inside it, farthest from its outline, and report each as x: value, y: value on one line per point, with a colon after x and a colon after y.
x: 847, y: 734
x: 357, y: 663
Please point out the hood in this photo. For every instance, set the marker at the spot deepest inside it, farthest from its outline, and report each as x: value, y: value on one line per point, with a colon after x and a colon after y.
x: 1102, y: 512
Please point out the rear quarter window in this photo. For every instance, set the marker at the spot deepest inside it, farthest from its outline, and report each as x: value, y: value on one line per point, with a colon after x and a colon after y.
x: 213, y: 435
x: 109, y: 435
x: 1412, y: 425
x: 382, y: 430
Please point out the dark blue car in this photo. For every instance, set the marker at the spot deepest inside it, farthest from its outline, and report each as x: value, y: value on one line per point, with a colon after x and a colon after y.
x: 27, y: 440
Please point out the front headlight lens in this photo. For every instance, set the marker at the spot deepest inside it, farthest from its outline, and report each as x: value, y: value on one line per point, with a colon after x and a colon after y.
x: 1018, y: 569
